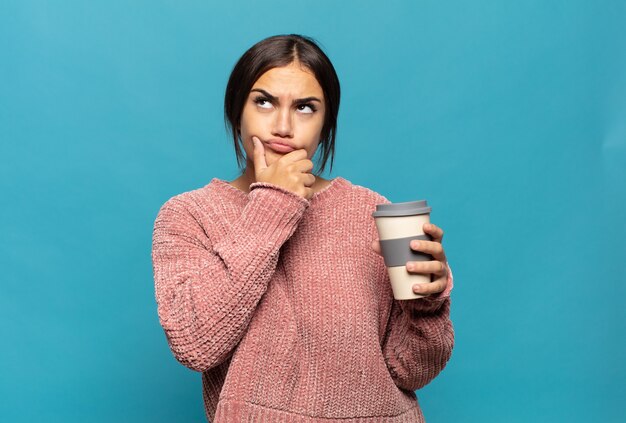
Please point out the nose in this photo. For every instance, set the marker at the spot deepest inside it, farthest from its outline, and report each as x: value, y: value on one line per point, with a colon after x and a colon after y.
x: 282, y: 124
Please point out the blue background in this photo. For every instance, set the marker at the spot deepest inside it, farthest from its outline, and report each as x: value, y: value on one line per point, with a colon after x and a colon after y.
x: 508, y: 116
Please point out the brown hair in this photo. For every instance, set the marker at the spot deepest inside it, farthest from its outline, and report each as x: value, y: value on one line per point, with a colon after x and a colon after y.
x: 278, y: 51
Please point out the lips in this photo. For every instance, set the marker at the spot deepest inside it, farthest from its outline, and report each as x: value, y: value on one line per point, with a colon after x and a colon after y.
x: 280, y: 146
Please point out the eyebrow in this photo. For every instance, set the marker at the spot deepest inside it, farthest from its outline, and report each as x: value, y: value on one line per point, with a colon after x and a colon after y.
x: 298, y: 100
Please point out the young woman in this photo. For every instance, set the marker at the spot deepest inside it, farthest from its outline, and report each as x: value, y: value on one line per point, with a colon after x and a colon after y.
x: 272, y: 285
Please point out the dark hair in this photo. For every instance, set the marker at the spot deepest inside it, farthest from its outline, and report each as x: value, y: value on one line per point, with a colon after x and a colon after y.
x: 278, y: 51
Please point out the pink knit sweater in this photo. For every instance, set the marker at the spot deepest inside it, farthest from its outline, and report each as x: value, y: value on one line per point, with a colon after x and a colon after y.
x: 286, y: 310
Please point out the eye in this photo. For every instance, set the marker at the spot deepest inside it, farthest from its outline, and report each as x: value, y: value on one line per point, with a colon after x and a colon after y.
x: 306, y: 108
x: 263, y: 102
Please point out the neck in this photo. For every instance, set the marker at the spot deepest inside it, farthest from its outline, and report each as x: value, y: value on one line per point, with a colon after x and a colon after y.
x: 246, y: 179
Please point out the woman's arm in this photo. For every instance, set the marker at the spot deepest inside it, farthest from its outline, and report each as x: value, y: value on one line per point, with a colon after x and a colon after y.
x: 419, y: 338
x: 206, y: 294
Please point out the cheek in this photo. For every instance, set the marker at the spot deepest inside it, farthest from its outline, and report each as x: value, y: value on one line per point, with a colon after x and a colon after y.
x: 246, y: 130
x: 244, y: 126
x: 253, y: 124
x: 314, y: 135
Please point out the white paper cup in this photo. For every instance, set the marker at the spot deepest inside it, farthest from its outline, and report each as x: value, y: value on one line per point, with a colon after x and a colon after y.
x: 398, y: 224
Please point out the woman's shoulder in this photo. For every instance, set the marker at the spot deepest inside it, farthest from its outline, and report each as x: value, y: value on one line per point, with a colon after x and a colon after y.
x: 213, y: 192
x: 364, y: 193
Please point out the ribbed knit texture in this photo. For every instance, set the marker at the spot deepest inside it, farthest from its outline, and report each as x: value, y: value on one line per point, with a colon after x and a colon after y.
x: 286, y: 310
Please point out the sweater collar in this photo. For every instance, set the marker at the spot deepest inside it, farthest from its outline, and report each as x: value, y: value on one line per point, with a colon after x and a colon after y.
x: 327, y: 191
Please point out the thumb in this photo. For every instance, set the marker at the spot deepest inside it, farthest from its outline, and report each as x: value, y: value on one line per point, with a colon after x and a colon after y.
x: 259, y: 154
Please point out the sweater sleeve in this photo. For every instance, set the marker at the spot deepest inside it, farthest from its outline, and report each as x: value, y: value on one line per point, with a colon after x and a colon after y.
x: 419, y: 338
x: 206, y: 294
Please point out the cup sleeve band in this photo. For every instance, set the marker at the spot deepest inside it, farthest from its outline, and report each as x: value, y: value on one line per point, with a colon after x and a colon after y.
x: 398, y: 251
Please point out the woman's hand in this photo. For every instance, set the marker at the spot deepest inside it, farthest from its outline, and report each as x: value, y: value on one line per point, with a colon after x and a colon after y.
x: 437, y: 267
x: 291, y: 171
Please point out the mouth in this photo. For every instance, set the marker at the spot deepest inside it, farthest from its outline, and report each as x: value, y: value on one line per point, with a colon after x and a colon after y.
x: 280, y: 146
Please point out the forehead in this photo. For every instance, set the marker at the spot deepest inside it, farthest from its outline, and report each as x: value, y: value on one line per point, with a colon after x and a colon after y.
x: 293, y: 80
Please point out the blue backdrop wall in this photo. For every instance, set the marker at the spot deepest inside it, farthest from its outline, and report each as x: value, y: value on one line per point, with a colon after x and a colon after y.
x: 509, y: 117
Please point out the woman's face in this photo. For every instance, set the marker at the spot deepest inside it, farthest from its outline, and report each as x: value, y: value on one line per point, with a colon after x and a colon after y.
x: 286, y: 105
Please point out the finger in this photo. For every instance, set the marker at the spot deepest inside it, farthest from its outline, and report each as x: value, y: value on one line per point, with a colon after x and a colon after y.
x: 376, y: 247
x: 436, y: 267
x: 430, y: 288
x: 304, y: 166
x: 294, y: 156
x: 434, y: 231
x: 433, y: 248
x: 259, y: 154
x: 309, y: 179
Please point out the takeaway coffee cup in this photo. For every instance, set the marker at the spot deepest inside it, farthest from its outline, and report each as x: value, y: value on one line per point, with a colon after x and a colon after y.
x: 398, y: 224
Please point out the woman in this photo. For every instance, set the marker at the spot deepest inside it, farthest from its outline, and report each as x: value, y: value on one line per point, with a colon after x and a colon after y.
x: 272, y: 285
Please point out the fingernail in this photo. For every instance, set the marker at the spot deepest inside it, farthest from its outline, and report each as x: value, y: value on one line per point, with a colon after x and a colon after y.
x: 415, y: 244
x: 410, y: 266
